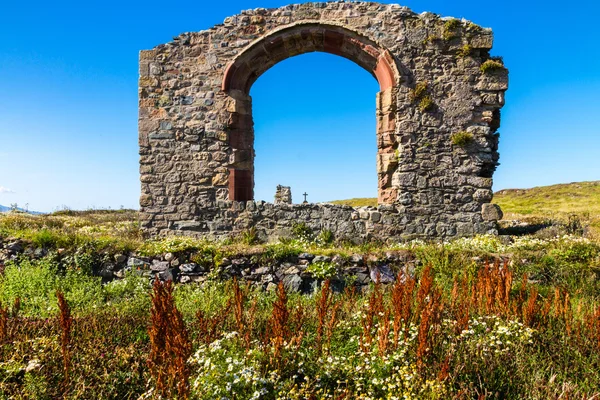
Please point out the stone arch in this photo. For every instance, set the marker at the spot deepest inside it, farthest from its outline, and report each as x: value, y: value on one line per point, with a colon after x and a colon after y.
x: 285, y: 42
x: 437, y: 80
x: 304, y: 37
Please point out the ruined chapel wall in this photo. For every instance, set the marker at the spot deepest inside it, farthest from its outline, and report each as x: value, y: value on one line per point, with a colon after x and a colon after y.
x: 428, y: 185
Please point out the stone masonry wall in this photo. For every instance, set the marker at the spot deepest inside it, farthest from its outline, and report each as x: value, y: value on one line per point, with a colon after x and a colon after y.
x: 438, y: 85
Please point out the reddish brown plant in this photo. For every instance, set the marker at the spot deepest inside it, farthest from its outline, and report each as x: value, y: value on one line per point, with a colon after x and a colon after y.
x: 66, y: 322
x: 278, y: 330
x: 374, y: 308
x: 402, y: 305
x: 429, y: 303
x: 3, y: 323
x: 170, y: 346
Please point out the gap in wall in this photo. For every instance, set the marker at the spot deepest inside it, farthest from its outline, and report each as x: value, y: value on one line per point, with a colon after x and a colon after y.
x: 315, y: 129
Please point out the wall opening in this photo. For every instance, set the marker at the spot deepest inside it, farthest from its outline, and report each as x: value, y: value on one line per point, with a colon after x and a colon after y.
x: 291, y: 41
x: 315, y: 129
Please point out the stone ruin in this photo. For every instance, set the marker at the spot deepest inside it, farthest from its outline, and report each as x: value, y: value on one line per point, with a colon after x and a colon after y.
x: 283, y: 195
x: 438, y: 111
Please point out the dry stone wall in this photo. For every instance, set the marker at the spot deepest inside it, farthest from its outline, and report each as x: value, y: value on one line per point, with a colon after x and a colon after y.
x: 438, y: 111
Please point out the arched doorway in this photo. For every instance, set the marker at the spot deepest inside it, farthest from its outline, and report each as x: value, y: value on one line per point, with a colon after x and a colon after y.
x: 315, y: 129
x: 290, y: 41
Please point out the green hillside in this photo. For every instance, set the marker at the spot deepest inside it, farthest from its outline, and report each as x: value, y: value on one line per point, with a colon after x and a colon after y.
x: 577, y: 197
x: 358, y: 202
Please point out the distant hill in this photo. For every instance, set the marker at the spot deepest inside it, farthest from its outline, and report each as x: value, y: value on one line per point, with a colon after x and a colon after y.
x: 7, y: 209
x: 576, y: 197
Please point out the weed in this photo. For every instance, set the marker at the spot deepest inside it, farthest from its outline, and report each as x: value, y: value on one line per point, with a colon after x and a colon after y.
x: 420, y: 96
x: 301, y: 231
x: 426, y: 104
x: 430, y: 39
x: 249, y: 236
x: 279, y: 332
x: 419, y: 91
x: 325, y: 237
x: 65, y: 322
x: 465, y: 51
x: 462, y: 139
x: 491, y: 66
x: 170, y: 347
x: 3, y: 323
x: 450, y: 29
x: 322, y: 270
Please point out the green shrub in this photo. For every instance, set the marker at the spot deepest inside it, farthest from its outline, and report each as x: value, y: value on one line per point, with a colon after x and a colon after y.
x: 465, y: 51
x: 491, y: 66
x: 574, y: 225
x: 171, y: 244
x: 462, y: 139
x: 249, y: 236
x: 129, y: 293
x: 576, y: 251
x: 322, y: 270
x: 36, y: 282
x: 325, y: 238
x: 47, y: 239
x: 450, y: 29
x: 301, y: 231
x: 281, y: 251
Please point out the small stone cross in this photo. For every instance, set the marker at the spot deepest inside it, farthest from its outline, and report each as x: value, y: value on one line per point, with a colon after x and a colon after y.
x: 305, y: 194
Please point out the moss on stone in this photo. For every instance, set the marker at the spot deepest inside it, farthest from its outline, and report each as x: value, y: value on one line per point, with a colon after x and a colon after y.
x: 421, y: 96
x: 465, y: 51
x: 462, y: 138
x: 491, y: 66
x: 450, y: 28
x: 419, y: 91
x: 430, y: 39
x: 426, y: 103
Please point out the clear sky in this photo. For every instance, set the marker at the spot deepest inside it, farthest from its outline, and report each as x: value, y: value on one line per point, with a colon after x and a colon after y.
x: 68, y: 100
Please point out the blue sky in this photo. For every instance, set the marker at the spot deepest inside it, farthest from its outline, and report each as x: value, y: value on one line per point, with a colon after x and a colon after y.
x: 68, y: 100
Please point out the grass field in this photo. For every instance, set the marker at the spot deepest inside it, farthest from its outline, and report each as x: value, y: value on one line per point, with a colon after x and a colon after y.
x: 475, y: 318
x: 579, y: 197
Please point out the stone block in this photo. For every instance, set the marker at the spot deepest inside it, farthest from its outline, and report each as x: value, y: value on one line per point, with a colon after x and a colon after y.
x: 482, y: 40
x: 220, y: 180
x: 483, y: 195
x: 491, y: 212
x: 146, y: 200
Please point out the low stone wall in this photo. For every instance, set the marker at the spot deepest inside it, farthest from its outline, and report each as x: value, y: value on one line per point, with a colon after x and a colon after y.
x: 274, y: 221
x: 257, y: 269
